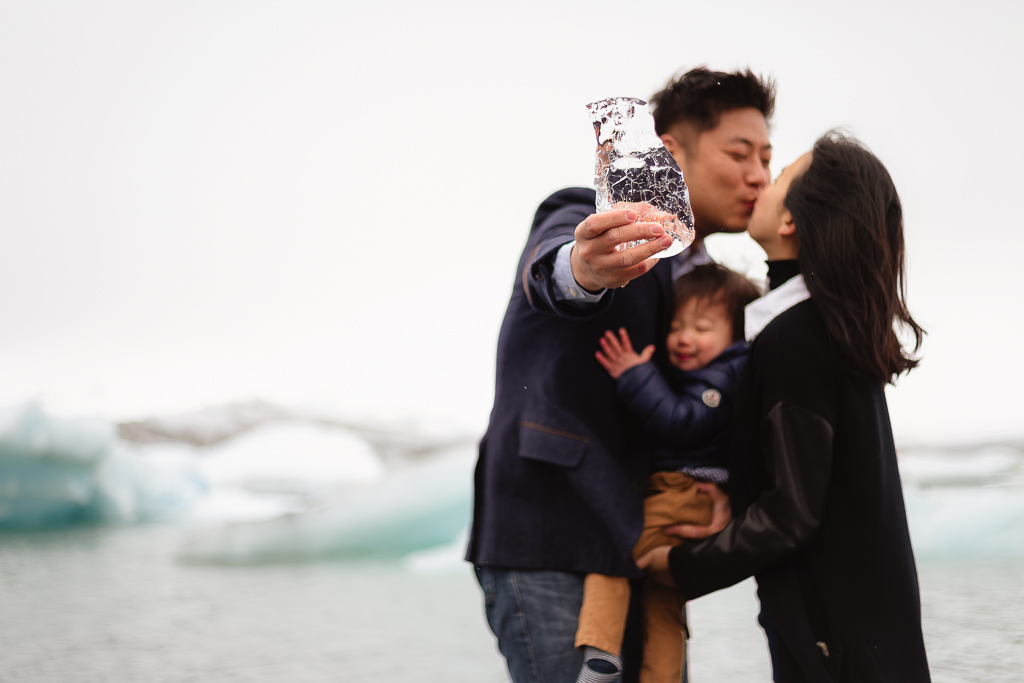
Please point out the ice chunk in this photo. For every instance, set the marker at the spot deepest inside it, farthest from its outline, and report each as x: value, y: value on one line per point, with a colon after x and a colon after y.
x: 964, y: 503
x: 963, y: 522
x: 133, y: 485
x: 27, y: 432
x: 421, y: 506
x: 291, y: 458
x: 56, y: 473
x: 634, y: 169
x: 230, y: 505
x: 444, y: 559
x: 942, y: 468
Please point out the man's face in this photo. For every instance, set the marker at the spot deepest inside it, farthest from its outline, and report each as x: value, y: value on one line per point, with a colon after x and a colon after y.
x: 726, y: 169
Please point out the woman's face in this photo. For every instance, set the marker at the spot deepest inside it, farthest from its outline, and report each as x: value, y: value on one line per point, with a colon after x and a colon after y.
x: 769, y: 212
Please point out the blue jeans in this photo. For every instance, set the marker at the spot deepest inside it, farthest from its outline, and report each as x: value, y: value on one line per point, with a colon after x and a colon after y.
x: 534, y: 615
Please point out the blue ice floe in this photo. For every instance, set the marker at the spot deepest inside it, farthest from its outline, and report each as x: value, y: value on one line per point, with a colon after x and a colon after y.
x: 421, y: 506
x: 965, y: 504
x: 56, y: 473
x: 298, y: 491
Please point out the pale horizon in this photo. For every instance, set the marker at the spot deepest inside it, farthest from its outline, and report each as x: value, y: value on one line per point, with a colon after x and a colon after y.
x: 322, y: 205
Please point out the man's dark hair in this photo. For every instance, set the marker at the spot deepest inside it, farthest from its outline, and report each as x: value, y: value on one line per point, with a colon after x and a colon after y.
x: 849, y: 221
x: 715, y: 284
x: 699, y: 97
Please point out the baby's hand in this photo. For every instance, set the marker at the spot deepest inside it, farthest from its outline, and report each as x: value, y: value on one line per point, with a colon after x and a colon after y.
x: 618, y: 354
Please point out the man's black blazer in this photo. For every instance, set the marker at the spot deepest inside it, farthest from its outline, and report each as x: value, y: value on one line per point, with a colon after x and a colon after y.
x: 562, y: 468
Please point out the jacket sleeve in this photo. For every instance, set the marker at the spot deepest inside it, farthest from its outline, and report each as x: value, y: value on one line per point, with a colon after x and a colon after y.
x: 798, y: 444
x: 676, y: 418
x: 538, y: 266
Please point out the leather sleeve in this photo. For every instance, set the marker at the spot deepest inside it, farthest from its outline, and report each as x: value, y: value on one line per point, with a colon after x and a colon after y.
x: 797, y: 445
x: 675, y: 418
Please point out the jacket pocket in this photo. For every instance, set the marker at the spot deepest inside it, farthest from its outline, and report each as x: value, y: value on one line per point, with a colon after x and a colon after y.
x: 550, y: 445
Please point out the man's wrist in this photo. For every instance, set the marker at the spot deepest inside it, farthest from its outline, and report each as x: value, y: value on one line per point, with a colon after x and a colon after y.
x: 566, y: 289
x: 577, y: 272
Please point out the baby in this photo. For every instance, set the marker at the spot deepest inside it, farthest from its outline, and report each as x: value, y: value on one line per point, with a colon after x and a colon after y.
x: 687, y: 413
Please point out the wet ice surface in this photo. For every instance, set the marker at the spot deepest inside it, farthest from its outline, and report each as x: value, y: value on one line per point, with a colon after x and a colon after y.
x: 634, y: 169
x: 113, y: 605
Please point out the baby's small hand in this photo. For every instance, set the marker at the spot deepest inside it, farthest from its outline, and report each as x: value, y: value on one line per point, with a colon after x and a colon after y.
x: 618, y: 354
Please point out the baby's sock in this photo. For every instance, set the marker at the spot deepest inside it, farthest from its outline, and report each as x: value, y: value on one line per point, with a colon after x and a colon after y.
x: 599, y: 666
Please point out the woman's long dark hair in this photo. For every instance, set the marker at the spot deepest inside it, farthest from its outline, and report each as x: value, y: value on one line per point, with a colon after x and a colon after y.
x: 849, y: 222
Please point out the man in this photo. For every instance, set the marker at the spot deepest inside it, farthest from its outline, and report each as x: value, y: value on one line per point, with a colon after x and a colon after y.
x: 559, y: 481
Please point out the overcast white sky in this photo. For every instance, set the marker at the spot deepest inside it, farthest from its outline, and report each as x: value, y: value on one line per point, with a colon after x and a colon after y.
x: 322, y: 203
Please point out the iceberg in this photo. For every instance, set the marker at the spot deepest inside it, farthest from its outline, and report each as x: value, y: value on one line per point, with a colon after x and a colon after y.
x: 280, y: 468
x: 291, y: 458
x: 932, y: 468
x: 445, y: 559
x: 419, y: 514
x: 56, y: 473
x: 982, y: 522
x: 302, y: 489
x: 222, y: 472
x: 964, y: 503
x: 423, y: 505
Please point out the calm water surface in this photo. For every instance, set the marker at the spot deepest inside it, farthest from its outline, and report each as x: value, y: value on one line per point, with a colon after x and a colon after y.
x: 114, y: 605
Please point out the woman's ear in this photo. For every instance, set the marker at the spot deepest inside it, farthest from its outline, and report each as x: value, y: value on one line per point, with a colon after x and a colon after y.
x: 789, y: 241
x: 787, y: 227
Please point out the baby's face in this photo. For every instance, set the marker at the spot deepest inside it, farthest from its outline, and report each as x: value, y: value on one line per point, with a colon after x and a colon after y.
x: 700, y: 331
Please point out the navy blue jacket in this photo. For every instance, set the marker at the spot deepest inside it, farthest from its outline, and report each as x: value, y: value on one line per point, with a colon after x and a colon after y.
x: 690, y: 424
x: 562, y: 467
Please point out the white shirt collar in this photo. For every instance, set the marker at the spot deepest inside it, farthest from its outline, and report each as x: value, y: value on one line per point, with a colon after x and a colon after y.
x: 758, y: 314
x: 689, y: 259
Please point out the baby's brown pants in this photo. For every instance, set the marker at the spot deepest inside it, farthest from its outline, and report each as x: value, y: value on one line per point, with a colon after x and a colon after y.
x: 672, y: 498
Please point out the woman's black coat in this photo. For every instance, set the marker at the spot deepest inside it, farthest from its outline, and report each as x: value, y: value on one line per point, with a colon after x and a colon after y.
x: 818, y: 513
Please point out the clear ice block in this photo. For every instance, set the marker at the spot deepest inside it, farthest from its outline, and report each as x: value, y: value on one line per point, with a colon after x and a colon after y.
x: 635, y: 170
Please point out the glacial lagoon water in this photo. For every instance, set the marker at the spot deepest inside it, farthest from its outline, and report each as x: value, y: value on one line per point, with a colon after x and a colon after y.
x: 116, y: 604
x: 295, y: 551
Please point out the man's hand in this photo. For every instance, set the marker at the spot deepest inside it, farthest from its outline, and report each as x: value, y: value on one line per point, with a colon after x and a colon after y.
x: 721, y: 515
x: 655, y: 565
x: 618, y: 354
x: 596, y: 264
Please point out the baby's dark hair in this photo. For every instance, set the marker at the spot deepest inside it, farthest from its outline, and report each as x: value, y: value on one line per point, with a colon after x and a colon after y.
x: 700, y: 97
x: 716, y: 284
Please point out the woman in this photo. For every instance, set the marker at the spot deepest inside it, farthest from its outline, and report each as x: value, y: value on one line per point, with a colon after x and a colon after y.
x: 818, y: 514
